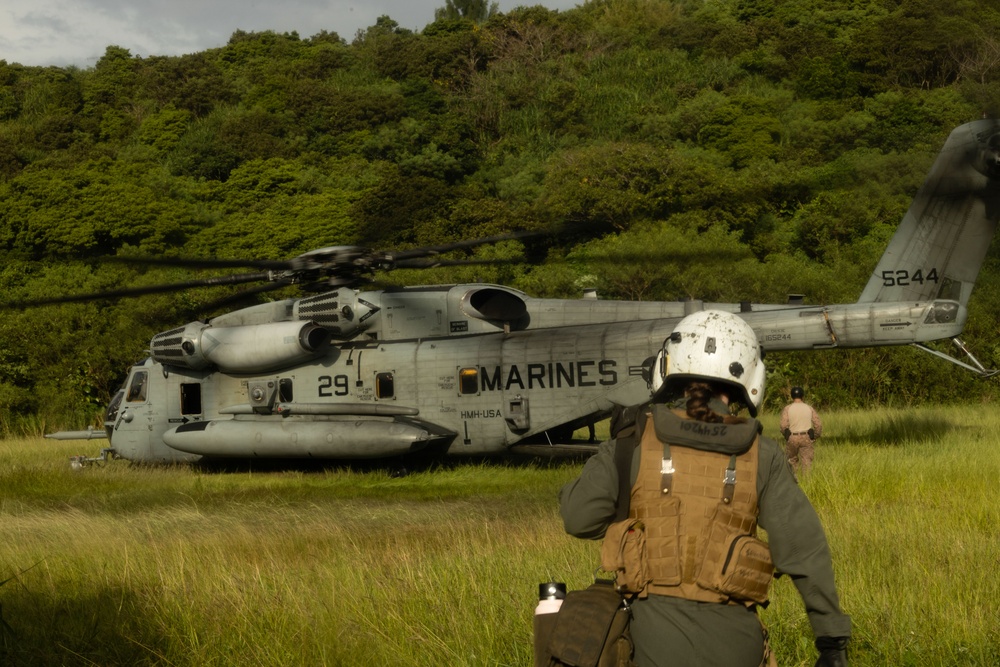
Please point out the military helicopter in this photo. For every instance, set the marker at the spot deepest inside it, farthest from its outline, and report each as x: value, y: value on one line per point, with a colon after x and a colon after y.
x: 480, y: 369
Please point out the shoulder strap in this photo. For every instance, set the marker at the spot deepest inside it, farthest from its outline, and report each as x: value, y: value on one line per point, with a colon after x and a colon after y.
x: 625, y: 444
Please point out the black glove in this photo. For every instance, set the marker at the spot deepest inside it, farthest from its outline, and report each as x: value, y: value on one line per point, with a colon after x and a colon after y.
x: 812, y: 434
x: 786, y: 433
x: 832, y: 651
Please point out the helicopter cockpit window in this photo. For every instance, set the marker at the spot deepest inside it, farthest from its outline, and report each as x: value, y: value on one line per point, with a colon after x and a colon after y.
x: 137, y: 389
x: 190, y: 398
x: 385, y: 386
x: 468, y: 380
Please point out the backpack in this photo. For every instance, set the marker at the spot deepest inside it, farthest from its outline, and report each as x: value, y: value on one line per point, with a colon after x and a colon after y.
x: 590, y: 630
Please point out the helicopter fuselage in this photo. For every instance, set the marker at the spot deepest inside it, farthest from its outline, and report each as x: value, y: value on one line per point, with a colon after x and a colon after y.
x: 475, y: 386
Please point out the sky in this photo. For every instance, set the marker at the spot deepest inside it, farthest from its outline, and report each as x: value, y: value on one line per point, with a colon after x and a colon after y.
x: 76, y: 32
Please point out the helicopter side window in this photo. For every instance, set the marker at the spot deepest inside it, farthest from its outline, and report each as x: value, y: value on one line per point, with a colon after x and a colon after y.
x: 285, y: 393
x: 137, y: 390
x: 191, y: 398
x: 385, y: 386
x: 468, y: 380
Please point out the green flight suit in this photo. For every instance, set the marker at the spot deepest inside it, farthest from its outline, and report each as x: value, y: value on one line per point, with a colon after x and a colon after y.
x: 671, y: 631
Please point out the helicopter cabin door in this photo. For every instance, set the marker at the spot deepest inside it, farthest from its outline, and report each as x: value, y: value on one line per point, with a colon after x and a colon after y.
x: 142, y: 417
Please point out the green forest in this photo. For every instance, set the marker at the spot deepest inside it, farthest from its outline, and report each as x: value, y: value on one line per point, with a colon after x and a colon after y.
x: 723, y: 150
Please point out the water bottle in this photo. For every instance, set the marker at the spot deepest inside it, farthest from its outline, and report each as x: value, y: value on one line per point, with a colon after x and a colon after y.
x: 550, y: 599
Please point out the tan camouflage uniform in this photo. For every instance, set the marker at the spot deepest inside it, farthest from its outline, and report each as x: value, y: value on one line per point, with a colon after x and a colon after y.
x: 797, y: 420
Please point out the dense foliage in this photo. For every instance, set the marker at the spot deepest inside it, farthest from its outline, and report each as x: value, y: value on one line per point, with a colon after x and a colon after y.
x: 765, y: 147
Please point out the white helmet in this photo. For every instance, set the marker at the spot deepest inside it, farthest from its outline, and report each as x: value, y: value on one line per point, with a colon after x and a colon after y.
x: 715, y: 346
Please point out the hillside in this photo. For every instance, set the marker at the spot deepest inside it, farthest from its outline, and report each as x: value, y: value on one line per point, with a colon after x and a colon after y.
x: 759, y: 147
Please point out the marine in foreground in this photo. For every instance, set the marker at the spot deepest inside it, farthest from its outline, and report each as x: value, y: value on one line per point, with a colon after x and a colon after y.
x: 680, y: 533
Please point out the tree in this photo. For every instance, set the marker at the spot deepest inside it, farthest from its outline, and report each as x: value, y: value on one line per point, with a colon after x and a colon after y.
x: 109, y: 92
x: 473, y: 10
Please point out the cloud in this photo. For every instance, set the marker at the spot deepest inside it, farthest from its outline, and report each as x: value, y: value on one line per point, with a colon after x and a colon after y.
x: 57, y: 32
x: 77, y: 32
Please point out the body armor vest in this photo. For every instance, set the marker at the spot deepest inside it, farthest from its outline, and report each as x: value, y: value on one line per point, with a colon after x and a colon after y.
x: 696, y: 511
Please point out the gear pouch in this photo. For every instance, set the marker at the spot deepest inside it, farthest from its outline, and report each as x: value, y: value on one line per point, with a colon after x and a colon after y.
x: 663, y: 545
x: 748, y: 570
x: 735, y: 563
x: 622, y: 553
x: 744, y: 573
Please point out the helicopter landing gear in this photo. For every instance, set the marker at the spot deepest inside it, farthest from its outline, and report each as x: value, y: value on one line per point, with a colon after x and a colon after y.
x: 81, y: 461
x: 976, y: 367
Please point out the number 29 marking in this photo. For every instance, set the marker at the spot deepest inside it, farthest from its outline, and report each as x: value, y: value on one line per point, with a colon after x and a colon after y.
x: 902, y: 277
x: 333, y: 386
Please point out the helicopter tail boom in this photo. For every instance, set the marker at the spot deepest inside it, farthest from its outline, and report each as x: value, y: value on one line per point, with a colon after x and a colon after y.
x: 940, y: 245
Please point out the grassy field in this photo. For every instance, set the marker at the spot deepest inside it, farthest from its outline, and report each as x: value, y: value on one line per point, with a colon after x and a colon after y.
x: 130, y: 565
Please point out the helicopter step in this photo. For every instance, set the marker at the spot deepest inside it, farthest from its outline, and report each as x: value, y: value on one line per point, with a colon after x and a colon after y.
x: 341, y: 438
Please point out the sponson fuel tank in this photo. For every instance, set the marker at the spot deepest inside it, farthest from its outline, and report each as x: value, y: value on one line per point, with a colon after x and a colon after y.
x: 347, y: 437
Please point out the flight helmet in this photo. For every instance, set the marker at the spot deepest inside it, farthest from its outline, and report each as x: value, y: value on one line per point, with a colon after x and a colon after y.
x: 714, y: 346
x: 797, y: 392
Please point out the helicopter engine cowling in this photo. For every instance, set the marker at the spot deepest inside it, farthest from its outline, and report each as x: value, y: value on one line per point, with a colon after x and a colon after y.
x: 243, y: 349
x: 344, y: 313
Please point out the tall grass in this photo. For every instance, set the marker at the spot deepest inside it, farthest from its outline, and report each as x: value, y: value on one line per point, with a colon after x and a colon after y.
x: 908, y: 502
x: 37, y: 425
x: 132, y: 565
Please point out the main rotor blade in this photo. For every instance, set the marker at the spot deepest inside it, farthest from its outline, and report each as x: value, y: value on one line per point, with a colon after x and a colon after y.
x: 196, y: 263
x: 630, y: 256
x: 245, y: 294
x: 141, y: 291
x: 596, y: 258
x: 435, y: 263
x: 430, y: 251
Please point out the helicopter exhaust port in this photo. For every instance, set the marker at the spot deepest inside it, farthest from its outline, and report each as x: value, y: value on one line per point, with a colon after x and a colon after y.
x: 242, y: 349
